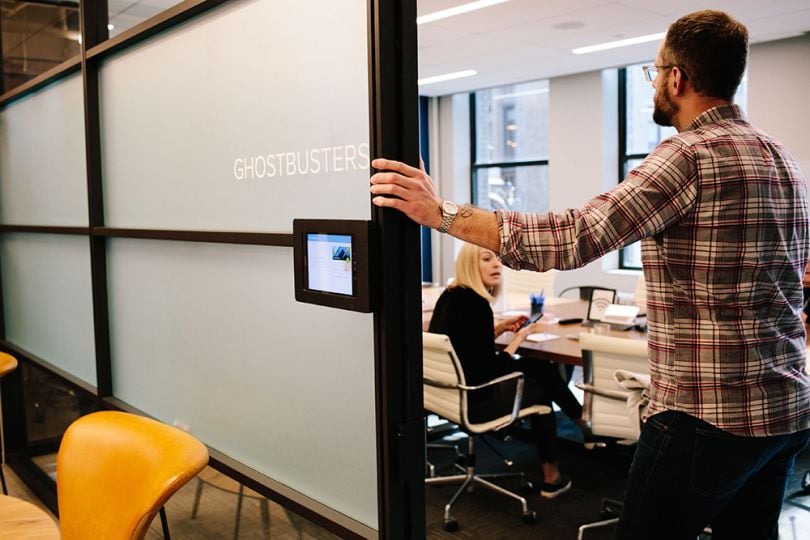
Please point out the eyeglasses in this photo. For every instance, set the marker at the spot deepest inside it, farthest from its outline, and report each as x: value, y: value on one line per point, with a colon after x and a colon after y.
x: 651, y: 72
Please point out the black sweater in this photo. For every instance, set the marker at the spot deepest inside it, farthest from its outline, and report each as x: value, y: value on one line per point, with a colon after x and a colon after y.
x: 466, y: 318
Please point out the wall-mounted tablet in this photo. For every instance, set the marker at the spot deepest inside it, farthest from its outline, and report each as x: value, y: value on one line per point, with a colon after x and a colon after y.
x: 331, y: 263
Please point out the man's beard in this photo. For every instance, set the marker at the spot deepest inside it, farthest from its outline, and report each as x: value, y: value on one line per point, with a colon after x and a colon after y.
x: 664, y: 109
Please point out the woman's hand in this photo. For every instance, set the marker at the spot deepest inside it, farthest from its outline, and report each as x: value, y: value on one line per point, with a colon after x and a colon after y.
x: 520, y: 336
x: 509, y: 324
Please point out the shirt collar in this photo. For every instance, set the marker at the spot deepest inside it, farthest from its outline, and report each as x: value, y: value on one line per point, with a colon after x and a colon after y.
x: 715, y: 115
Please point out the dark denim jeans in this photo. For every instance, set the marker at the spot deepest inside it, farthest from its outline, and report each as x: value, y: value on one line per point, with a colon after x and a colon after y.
x: 687, y: 474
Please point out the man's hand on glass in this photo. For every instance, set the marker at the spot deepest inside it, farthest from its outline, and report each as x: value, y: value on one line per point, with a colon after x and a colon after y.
x: 407, y: 189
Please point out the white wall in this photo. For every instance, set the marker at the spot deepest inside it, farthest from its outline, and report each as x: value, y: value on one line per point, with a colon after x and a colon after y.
x: 583, y: 128
x: 778, y: 79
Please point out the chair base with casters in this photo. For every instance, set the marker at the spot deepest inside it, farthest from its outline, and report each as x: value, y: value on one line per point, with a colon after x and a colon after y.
x: 446, y: 395
x: 609, y: 511
x: 470, y: 479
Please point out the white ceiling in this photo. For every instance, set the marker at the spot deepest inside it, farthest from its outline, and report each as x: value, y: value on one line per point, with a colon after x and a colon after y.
x: 523, y: 40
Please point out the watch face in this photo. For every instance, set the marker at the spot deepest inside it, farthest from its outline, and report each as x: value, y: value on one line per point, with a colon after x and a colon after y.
x: 449, y: 207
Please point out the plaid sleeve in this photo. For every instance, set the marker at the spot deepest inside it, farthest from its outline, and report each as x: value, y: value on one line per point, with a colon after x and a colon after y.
x: 656, y: 194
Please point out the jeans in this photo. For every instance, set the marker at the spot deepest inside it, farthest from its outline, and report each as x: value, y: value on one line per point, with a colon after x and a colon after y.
x: 687, y: 474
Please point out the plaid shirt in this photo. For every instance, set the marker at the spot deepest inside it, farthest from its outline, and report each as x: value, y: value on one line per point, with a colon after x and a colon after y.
x: 722, y: 211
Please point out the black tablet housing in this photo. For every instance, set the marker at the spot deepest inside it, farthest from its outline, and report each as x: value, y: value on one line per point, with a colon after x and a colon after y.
x: 331, y: 262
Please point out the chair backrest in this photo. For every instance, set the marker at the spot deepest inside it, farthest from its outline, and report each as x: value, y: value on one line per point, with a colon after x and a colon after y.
x: 116, y: 470
x: 7, y: 364
x: 601, y: 357
x: 519, y: 284
x: 640, y: 294
x: 441, y: 365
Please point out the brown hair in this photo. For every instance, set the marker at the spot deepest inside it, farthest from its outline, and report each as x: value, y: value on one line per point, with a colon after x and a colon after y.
x: 711, y: 48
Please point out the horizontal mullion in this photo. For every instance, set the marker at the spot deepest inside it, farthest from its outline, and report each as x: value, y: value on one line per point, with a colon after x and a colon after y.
x: 46, y: 77
x: 20, y: 353
x: 508, y: 164
x: 221, y: 237
x: 45, y: 229
x: 162, y: 21
x: 628, y: 157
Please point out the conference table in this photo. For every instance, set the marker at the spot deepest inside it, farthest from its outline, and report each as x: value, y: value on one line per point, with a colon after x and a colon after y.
x: 563, y: 347
x: 563, y: 344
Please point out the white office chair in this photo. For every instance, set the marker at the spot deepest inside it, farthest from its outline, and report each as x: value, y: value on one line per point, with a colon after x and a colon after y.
x: 519, y: 284
x: 446, y: 394
x: 640, y: 294
x: 605, y: 402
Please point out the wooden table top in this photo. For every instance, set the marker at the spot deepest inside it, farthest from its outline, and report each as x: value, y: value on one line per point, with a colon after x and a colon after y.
x: 562, y: 349
x: 21, y: 520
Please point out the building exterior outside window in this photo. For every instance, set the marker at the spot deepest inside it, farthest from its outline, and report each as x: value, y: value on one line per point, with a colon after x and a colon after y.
x: 510, y: 147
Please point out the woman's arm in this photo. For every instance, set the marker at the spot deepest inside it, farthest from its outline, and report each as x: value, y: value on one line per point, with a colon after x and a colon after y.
x: 520, y: 337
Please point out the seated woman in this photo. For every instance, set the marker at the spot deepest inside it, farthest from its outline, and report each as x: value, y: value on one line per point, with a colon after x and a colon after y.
x: 464, y: 314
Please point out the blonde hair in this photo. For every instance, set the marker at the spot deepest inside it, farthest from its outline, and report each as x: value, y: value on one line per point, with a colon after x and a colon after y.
x: 468, y: 273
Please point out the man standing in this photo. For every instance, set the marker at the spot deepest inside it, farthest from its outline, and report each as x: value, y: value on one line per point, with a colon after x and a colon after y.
x: 721, y: 208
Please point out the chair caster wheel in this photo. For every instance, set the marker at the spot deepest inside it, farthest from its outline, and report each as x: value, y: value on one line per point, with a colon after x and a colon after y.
x: 450, y: 525
x: 527, y: 488
x: 530, y: 518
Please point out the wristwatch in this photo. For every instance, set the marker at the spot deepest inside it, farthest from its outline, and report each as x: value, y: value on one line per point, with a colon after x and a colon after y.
x: 449, y: 213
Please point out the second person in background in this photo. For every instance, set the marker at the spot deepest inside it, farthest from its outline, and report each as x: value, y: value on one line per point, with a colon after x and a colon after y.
x: 464, y: 313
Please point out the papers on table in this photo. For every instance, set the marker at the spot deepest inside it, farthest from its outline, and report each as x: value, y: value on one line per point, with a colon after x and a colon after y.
x: 543, y: 336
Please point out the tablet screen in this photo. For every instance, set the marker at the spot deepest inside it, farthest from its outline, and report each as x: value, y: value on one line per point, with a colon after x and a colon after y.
x: 329, y: 263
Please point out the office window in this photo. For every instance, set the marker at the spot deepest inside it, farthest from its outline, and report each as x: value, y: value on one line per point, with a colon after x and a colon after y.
x: 510, y: 147
x: 638, y: 134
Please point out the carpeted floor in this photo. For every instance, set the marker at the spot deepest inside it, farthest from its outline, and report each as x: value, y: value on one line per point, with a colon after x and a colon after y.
x: 595, y: 473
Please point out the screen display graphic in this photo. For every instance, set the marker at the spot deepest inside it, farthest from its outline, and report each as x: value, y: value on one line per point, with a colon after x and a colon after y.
x: 329, y: 264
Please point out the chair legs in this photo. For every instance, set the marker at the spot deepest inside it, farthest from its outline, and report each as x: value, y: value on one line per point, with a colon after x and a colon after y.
x: 609, y: 511
x: 469, y: 479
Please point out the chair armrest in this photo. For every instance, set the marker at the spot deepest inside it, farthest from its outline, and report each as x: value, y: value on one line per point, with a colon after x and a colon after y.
x: 439, y: 384
x: 603, y: 392
x: 498, y: 380
x: 518, y: 377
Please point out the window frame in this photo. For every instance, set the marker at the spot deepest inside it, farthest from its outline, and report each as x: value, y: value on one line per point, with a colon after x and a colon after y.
x: 624, y: 157
x: 475, y: 167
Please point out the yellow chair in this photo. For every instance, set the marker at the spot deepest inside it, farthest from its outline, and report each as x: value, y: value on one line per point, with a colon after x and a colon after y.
x: 7, y: 364
x: 116, y: 470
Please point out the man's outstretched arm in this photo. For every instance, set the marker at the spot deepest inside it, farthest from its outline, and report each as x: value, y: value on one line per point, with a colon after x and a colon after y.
x: 411, y: 191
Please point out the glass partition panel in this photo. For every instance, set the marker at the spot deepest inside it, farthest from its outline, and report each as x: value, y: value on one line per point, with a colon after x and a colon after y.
x: 211, y: 336
x: 37, y: 36
x: 43, y: 176
x: 237, y: 121
x: 47, y: 298
x: 124, y: 14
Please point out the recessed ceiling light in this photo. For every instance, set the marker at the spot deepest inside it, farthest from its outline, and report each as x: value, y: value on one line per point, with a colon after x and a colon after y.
x: 458, y: 10
x: 447, y: 77
x: 620, y: 43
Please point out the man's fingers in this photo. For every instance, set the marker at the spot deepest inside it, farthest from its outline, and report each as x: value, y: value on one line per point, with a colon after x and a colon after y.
x: 391, y: 165
x: 387, y: 202
x: 390, y: 189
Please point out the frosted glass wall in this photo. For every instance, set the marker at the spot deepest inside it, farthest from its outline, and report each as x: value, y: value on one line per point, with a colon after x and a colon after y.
x: 241, y: 120
x: 47, y: 299
x: 43, y: 177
